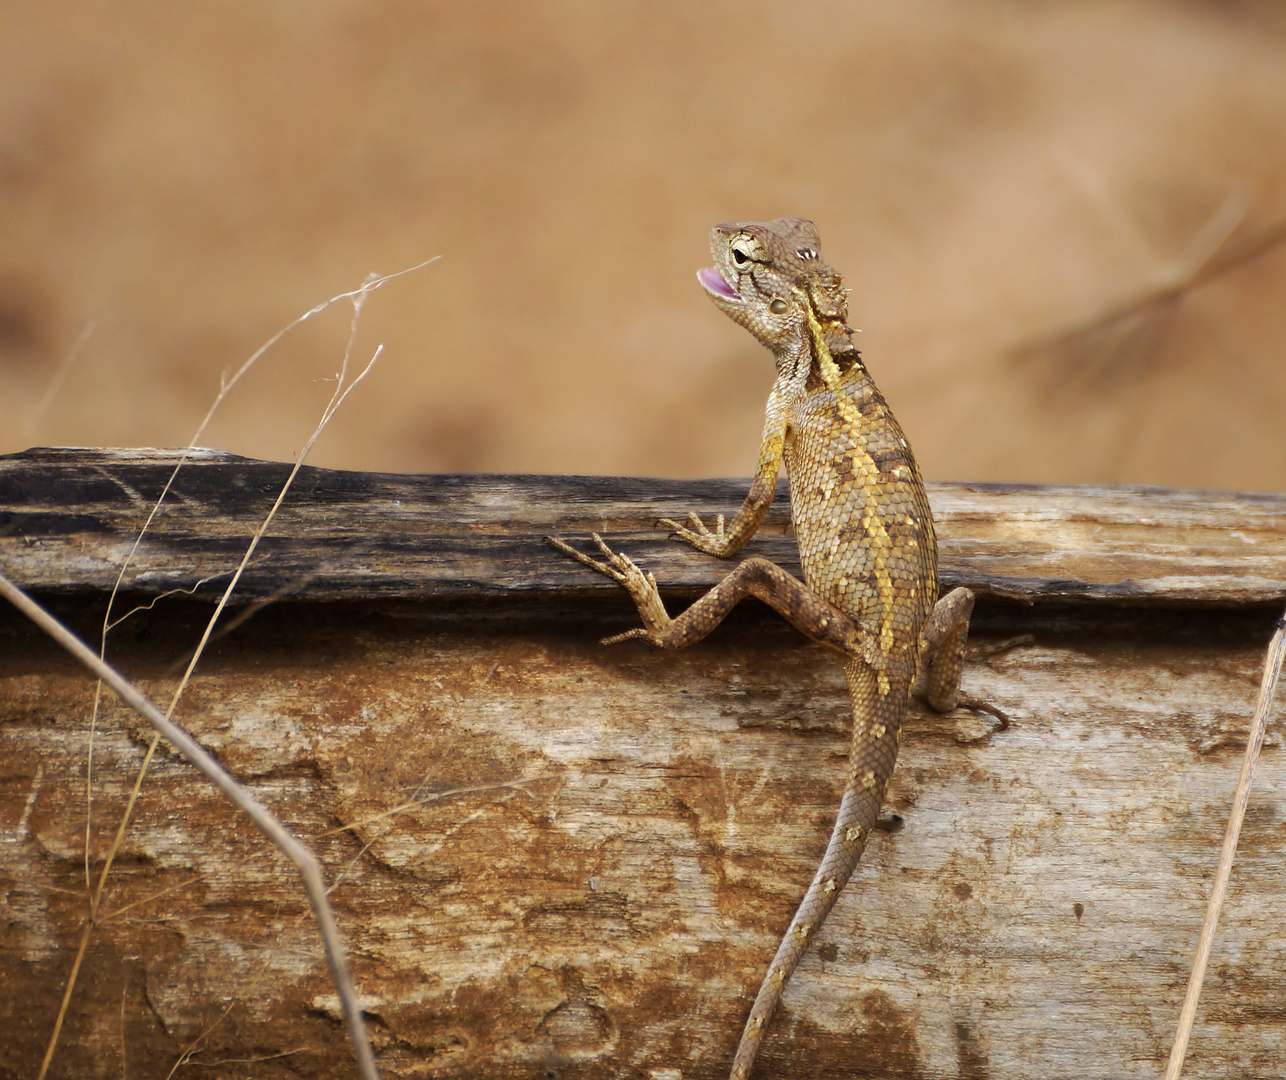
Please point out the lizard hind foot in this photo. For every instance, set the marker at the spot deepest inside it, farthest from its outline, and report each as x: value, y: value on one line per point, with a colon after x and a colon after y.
x: 619, y: 567
x: 639, y: 583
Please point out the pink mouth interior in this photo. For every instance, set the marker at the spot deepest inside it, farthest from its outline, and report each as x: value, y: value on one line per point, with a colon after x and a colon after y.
x: 714, y: 283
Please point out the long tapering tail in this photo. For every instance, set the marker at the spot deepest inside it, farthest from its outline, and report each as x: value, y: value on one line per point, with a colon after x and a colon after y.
x: 878, y: 708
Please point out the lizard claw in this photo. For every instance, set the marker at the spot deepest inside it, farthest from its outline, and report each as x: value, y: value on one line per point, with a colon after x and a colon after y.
x: 977, y: 705
x: 620, y: 568
x: 567, y: 549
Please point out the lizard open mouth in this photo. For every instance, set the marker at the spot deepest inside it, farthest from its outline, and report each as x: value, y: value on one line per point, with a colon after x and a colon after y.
x: 715, y: 285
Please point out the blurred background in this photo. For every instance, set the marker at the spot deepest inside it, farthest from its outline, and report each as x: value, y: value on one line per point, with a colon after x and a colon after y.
x: 1062, y: 224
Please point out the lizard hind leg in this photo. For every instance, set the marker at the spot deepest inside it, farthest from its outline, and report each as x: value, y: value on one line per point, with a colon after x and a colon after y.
x: 787, y: 595
x: 942, y: 657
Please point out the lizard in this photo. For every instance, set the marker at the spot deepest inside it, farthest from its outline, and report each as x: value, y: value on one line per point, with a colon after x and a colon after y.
x: 866, y: 543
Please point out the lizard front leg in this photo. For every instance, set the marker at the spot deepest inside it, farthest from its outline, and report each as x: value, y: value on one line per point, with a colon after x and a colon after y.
x: 787, y: 595
x: 724, y: 542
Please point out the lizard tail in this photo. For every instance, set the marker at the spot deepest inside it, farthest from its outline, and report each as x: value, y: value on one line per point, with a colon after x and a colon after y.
x: 878, y: 708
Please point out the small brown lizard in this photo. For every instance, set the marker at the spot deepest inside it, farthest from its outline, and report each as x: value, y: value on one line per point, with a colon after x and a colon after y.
x: 865, y: 536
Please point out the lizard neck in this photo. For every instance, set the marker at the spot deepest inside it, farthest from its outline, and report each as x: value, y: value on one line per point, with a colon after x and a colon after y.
x: 794, y: 358
x: 818, y: 354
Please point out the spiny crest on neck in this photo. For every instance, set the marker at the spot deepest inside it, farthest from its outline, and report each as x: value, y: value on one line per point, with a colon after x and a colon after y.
x: 831, y: 354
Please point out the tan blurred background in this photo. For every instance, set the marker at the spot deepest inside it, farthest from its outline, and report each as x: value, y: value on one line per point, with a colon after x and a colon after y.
x: 187, y: 179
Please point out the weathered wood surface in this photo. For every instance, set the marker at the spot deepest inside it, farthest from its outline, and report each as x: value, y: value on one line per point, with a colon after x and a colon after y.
x: 69, y: 518
x: 617, y: 836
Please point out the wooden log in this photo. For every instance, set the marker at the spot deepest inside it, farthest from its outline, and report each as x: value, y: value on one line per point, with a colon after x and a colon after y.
x: 70, y: 518
x: 604, y: 844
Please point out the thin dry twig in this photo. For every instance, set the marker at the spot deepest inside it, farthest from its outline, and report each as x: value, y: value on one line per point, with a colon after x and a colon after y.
x: 402, y: 808
x: 195, y: 1044
x: 356, y: 1029
x: 1263, y: 707
x: 245, y: 614
x: 298, y: 853
x: 124, y: 1046
x: 436, y: 796
x: 358, y: 298
x: 194, y: 1064
x: 183, y: 590
x: 416, y: 801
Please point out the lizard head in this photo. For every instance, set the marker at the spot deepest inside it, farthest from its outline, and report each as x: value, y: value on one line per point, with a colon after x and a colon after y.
x: 764, y: 276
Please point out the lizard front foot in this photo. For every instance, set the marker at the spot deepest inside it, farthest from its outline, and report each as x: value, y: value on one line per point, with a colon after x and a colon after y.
x: 700, y: 537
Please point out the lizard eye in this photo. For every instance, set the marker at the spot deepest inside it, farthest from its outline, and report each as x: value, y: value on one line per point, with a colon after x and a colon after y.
x: 778, y: 307
x: 743, y: 249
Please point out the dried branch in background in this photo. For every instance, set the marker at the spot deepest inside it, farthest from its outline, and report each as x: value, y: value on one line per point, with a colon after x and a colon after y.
x: 1120, y: 342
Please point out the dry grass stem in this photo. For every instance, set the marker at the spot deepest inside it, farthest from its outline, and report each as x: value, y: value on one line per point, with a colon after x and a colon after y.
x: 402, y: 808
x: 245, y: 614
x: 1263, y: 707
x: 343, y: 388
x: 411, y: 804
x: 195, y: 1044
x: 60, y: 376
x: 424, y: 800
x: 184, y: 590
x: 124, y: 1045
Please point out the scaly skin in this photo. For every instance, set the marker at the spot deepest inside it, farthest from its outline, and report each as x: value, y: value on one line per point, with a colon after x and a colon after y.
x: 865, y: 536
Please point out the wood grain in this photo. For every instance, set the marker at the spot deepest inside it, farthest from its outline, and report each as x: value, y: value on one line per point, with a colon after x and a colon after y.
x: 69, y: 518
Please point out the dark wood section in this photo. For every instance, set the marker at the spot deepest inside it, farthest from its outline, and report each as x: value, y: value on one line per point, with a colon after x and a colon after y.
x: 69, y: 518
